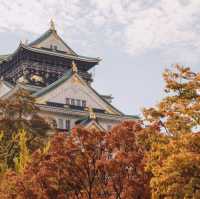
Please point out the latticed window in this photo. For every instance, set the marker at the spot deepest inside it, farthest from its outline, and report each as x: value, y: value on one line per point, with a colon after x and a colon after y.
x: 72, y: 101
x: 67, y: 125
x: 60, y: 123
x: 83, y: 103
x: 68, y: 101
x: 78, y: 102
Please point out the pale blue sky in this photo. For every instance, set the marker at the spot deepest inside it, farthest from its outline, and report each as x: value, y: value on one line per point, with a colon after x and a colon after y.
x: 137, y: 40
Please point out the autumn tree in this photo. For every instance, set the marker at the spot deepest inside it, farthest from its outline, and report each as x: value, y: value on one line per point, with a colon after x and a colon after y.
x: 175, y: 152
x: 16, y: 113
x: 86, y: 164
x: 123, y: 163
x: 85, y: 149
x: 68, y: 169
x: 178, y: 112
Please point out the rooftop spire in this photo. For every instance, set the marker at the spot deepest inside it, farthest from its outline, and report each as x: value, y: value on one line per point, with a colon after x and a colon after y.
x: 52, y: 25
x: 74, y: 67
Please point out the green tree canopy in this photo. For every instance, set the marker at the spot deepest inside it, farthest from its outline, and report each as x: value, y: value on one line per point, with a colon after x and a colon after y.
x: 16, y: 113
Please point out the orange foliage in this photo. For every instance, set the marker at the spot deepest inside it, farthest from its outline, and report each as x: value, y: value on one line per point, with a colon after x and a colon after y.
x: 174, y: 155
x: 85, y: 164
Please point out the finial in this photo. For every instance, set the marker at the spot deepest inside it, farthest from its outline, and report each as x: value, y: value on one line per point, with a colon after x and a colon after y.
x: 52, y: 25
x: 74, y: 67
x: 92, y: 113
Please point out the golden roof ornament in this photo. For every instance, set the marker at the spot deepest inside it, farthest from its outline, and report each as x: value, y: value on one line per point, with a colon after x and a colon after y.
x: 92, y: 113
x: 74, y: 67
x: 52, y: 25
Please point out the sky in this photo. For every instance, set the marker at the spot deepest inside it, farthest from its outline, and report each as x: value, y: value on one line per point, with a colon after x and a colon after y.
x: 137, y: 40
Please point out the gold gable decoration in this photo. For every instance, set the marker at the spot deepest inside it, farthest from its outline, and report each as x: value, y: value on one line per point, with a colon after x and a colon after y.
x: 75, y: 79
x: 75, y: 70
x: 52, y: 25
x: 40, y: 101
x: 74, y: 67
x: 94, y: 127
x: 92, y: 113
x: 37, y: 78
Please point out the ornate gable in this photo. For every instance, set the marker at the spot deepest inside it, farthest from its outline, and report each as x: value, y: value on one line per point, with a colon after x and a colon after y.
x: 93, y: 125
x: 52, y: 41
x: 5, y: 87
x: 74, y: 87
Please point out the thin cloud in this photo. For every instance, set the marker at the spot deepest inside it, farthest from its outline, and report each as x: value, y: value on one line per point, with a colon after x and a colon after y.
x: 142, y: 25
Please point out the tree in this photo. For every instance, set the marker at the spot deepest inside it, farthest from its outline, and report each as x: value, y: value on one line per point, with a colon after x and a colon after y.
x: 174, y: 153
x: 24, y: 157
x: 122, y: 166
x: 66, y: 170
x: 84, y: 150
x: 17, y: 113
x: 86, y: 164
x: 176, y: 168
x: 178, y: 112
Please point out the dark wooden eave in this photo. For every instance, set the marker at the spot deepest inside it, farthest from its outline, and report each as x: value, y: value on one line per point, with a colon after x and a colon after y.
x: 87, y: 62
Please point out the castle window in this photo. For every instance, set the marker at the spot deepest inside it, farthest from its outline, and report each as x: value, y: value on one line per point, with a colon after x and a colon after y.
x: 72, y: 101
x: 60, y: 123
x: 68, y: 101
x: 55, y: 47
x: 75, y: 102
x: 67, y: 125
x: 78, y: 102
x: 83, y: 103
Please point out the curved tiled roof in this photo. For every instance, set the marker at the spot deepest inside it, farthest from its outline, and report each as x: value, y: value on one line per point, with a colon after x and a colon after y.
x: 4, y: 57
x: 47, y: 34
x: 93, y: 61
x: 69, y: 56
x: 67, y: 53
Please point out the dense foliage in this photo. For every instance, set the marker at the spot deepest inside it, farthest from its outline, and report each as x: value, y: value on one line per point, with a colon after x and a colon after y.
x: 174, y: 158
x: 16, y: 113
x: 85, y: 164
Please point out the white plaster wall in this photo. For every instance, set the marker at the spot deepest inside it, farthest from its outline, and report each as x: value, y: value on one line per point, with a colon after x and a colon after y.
x: 56, y: 117
x: 104, y: 123
x: 72, y: 89
x: 3, y: 89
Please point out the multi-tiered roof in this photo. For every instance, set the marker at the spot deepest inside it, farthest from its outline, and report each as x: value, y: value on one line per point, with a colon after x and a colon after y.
x: 59, y: 79
x: 46, y: 59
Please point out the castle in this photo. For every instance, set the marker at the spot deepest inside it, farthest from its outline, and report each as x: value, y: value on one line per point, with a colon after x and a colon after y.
x: 60, y: 80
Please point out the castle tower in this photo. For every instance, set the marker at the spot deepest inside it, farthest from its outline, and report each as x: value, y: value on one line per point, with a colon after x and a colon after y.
x: 60, y: 81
